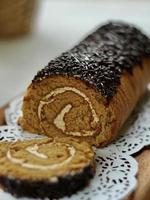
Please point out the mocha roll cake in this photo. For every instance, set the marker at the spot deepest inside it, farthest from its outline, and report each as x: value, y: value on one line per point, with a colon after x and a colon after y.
x: 89, y: 91
x: 43, y: 168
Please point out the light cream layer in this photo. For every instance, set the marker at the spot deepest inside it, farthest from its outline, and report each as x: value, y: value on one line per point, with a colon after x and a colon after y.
x: 59, y: 120
x: 34, y: 150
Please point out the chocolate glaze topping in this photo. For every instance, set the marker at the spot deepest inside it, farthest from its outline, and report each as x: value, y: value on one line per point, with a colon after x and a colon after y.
x: 65, y: 186
x: 102, y: 57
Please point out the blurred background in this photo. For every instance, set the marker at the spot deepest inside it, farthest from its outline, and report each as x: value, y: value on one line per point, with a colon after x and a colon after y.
x: 56, y: 25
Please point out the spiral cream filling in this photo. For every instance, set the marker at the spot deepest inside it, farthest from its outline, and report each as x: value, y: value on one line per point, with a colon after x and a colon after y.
x: 34, y: 150
x: 59, y: 120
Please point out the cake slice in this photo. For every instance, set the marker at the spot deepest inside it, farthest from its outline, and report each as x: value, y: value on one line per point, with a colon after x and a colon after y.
x: 89, y: 91
x: 43, y: 168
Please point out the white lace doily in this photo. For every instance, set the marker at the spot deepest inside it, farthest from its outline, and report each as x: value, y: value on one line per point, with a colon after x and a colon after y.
x: 116, y: 169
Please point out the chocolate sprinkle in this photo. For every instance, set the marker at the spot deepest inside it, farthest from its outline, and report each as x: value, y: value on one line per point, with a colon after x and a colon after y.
x: 65, y: 186
x: 102, y: 57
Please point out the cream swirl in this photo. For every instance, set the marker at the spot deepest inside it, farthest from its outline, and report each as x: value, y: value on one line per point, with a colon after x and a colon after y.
x: 34, y: 150
x: 59, y: 120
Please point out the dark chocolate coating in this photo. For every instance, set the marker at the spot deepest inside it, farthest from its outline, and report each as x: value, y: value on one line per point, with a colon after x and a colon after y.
x: 65, y: 186
x: 102, y: 57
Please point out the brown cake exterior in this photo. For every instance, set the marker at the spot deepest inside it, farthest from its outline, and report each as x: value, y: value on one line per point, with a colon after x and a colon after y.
x: 89, y: 91
x: 42, y: 168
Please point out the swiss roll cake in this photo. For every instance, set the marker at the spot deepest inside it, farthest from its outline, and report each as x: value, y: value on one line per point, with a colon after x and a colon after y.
x: 42, y: 168
x: 89, y: 91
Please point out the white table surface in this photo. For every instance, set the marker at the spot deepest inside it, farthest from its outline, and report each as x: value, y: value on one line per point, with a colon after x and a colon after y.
x: 61, y: 23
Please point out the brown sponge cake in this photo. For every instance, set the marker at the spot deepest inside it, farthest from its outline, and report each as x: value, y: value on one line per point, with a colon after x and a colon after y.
x: 45, y: 167
x: 89, y: 91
